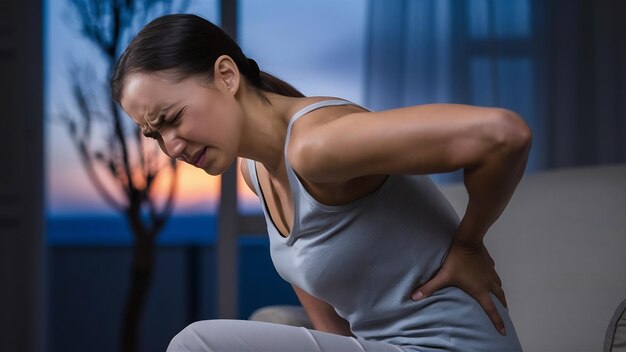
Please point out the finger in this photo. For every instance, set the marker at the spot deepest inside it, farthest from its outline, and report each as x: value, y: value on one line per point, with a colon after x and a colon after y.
x: 499, y: 292
x: 430, y: 287
x: 487, y: 304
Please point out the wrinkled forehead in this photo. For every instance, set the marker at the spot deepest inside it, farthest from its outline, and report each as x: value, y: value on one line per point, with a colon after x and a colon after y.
x: 146, y: 95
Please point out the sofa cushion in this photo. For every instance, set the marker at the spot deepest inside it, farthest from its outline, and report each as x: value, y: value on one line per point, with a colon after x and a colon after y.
x: 282, y: 314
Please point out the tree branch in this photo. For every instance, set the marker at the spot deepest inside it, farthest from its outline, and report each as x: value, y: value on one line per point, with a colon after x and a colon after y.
x: 86, y: 160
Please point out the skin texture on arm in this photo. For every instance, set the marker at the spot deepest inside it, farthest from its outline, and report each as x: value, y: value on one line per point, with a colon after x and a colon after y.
x: 322, y: 315
x: 420, y: 139
x: 491, y: 145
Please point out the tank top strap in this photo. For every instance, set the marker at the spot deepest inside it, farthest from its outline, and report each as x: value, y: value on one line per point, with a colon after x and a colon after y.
x: 299, y: 114
x: 297, y: 188
x: 296, y: 116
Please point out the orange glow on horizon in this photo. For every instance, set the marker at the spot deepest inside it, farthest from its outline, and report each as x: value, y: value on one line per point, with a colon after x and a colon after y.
x: 198, y: 190
x: 70, y: 191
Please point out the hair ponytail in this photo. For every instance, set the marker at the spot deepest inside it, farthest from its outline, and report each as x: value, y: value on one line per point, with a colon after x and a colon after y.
x: 276, y: 85
x: 268, y: 83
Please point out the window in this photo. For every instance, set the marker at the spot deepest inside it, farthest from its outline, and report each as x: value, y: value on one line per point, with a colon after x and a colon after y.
x: 73, y: 204
x: 500, y: 60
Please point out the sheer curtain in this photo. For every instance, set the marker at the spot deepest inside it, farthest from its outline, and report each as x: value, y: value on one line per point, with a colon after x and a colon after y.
x: 584, y: 50
x: 560, y: 64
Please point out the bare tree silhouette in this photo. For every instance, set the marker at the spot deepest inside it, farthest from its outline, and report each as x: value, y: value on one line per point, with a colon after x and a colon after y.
x: 117, y: 154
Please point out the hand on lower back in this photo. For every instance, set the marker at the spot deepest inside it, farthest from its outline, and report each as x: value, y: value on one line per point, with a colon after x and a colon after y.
x: 473, y: 271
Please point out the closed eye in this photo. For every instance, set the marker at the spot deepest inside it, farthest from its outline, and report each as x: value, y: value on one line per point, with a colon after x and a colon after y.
x: 159, y: 130
x: 177, y: 117
x: 150, y: 134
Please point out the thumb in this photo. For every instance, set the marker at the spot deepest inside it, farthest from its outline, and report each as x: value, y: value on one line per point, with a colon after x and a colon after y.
x: 428, y: 288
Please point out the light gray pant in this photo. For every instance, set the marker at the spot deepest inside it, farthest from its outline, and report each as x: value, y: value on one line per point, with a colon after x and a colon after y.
x: 225, y: 335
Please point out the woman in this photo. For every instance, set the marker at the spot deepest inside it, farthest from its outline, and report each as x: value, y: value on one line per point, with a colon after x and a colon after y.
x: 375, y: 253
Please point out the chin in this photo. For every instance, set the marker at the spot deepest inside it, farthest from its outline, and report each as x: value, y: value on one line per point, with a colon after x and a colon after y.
x: 217, y: 167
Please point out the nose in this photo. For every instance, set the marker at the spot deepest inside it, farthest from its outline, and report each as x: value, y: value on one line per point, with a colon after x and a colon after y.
x: 172, y: 145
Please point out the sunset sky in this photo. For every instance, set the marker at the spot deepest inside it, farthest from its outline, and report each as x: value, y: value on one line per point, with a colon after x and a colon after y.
x: 319, y: 60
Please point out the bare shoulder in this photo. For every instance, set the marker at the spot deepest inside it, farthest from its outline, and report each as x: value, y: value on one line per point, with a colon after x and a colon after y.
x: 309, y: 127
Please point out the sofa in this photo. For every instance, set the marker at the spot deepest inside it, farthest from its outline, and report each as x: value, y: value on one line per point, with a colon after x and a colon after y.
x: 560, y: 249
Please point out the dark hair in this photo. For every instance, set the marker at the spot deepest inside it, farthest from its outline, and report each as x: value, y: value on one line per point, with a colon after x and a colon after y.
x: 188, y: 45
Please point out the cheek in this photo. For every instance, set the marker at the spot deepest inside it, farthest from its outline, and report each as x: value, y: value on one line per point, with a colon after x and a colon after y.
x: 218, y: 126
x: 212, y: 119
x: 231, y: 122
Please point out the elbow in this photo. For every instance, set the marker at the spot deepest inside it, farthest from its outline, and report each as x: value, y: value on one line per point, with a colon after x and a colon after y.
x: 514, y: 135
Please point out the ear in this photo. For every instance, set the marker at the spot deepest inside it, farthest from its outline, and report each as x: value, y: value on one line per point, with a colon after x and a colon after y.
x: 227, y: 74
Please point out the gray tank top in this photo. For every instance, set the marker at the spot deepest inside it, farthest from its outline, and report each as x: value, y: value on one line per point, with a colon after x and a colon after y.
x: 366, y: 257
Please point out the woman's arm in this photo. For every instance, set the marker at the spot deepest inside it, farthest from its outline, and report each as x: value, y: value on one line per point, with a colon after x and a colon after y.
x: 490, y: 184
x: 322, y: 315
x: 414, y: 140
x: 468, y: 265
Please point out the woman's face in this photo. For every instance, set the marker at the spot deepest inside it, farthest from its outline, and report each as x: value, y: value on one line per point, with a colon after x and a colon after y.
x: 193, y: 121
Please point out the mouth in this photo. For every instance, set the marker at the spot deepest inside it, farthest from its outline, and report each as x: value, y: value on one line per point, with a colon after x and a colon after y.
x: 198, y: 159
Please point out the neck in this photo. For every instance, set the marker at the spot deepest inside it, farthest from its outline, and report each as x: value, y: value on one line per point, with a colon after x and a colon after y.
x: 265, y: 129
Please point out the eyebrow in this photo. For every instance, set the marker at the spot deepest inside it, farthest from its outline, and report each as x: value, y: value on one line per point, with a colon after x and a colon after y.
x: 160, y: 115
x: 147, y: 131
